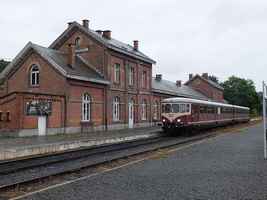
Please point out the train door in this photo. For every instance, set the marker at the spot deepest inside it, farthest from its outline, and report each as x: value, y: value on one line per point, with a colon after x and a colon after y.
x: 195, y: 112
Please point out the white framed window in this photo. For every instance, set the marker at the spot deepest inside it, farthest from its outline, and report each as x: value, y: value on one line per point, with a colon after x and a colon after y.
x: 86, y: 107
x: 131, y: 75
x: 143, y: 110
x: 116, y: 109
x: 117, y: 73
x: 77, y: 42
x: 34, y: 75
x: 144, y: 79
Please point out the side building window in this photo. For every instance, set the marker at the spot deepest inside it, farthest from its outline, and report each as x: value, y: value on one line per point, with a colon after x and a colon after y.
x: 116, y: 109
x: 131, y: 75
x: 77, y: 43
x: 117, y: 73
x: 86, y: 108
x: 144, y: 79
x: 143, y: 110
x: 34, y: 75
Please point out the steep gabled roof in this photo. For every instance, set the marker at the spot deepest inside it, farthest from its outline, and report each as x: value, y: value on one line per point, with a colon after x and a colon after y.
x: 58, y: 59
x: 170, y: 88
x: 109, y: 43
x: 212, y: 83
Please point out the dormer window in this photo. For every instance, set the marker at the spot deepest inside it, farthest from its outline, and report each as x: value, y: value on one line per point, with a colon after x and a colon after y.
x: 77, y: 42
x: 34, y: 75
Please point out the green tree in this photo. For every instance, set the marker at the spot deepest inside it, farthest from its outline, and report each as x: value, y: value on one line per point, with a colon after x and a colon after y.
x: 3, y: 64
x: 242, y: 92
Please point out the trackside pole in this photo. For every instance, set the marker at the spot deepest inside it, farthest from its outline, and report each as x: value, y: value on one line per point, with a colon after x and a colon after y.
x: 264, y: 117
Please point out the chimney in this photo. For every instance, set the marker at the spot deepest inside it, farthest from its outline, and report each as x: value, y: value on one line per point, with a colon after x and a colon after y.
x: 86, y: 23
x: 99, y: 32
x: 190, y: 76
x: 71, y: 55
x: 107, y: 34
x: 158, y: 77
x: 136, y: 45
x: 178, y: 83
x: 205, y: 75
x: 70, y: 23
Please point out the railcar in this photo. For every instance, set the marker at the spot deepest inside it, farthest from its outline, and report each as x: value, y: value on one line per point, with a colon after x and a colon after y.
x: 186, y: 113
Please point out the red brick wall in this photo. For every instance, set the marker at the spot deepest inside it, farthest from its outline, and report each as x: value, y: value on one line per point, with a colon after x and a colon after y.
x: 205, y: 88
x: 74, y: 107
x: 95, y: 54
x: 51, y: 81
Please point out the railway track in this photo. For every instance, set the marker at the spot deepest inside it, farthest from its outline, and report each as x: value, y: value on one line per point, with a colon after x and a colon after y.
x: 14, y: 174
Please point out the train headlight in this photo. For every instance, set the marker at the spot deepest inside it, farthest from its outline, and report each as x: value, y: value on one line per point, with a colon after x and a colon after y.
x: 164, y: 120
x: 178, y: 120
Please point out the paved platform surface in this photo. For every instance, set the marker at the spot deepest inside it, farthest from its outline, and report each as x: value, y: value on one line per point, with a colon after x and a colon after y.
x: 227, y: 167
x: 12, y: 148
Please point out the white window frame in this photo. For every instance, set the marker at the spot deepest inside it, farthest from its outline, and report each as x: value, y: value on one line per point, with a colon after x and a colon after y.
x: 131, y: 76
x: 144, y: 110
x: 86, y: 107
x: 156, y: 110
x: 117, y: 73
x: 116, y: 109
x: 35, y: 75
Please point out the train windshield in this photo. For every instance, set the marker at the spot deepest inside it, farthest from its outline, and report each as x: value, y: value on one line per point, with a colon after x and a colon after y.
x: 176, y: 108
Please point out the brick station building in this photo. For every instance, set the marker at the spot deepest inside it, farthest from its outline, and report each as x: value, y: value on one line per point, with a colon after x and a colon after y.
x: 87, y: 81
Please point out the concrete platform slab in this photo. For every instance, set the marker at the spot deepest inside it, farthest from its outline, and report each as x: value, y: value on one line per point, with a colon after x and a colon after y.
x: 16, y: 148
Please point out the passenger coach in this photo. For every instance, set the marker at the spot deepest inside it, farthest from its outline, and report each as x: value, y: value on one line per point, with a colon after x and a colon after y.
x: 189, y: 113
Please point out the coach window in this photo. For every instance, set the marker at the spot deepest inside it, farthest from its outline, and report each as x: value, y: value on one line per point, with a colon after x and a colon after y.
x: 143, y: 110
x: 34, y: 75
x: 219, y: 110
x: 86, y: 108
x: 116, y: 109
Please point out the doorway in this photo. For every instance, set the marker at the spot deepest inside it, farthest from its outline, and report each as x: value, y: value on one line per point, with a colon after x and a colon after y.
x: 41, y: 125
x: 131, y: 113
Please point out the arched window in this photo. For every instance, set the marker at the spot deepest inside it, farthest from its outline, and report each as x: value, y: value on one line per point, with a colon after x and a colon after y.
x: 77, y: 42
x: 143, y: 110
x: 34, y: 75
x: 86, y: 107
x: 116, y: 109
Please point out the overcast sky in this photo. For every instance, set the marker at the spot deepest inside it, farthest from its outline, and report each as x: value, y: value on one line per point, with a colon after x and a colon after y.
x: 222, y: 37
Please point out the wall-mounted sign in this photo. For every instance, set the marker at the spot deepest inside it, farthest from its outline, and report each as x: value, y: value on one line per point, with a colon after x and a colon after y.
x: 38, y: 107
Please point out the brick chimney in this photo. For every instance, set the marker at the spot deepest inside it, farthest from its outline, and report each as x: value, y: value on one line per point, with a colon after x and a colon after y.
x: 99, y: 32
x: 178, y: 83
x: 190, y: 76
x: 205, y: 75
x: 158, y: 77
x: 86, y: 23
x: 136, y: 45
x: 70, y: 23
x: 107, y: 34
x: 71, y: 55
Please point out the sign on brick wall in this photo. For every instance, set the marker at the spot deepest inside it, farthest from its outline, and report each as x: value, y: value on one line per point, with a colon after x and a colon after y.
x: 38, y: 108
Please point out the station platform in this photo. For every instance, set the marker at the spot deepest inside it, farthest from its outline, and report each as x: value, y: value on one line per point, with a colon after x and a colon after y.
x: 21, y: 147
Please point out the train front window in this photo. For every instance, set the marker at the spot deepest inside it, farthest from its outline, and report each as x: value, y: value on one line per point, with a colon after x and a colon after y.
x: 166, y: 108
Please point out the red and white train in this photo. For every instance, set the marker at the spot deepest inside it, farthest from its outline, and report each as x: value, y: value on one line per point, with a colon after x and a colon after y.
x: 180, y: 113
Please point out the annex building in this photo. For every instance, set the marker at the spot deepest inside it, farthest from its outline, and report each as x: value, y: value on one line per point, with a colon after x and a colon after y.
x: 87, y: 81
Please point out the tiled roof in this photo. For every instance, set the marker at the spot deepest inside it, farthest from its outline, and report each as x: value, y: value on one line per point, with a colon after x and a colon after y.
x: 214, y: 84
x: 109, y: 43
x: 58, y: 59
x: 170, y: 88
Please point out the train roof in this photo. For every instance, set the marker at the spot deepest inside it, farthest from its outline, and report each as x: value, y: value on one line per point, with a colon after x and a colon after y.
x: 188, y: 100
